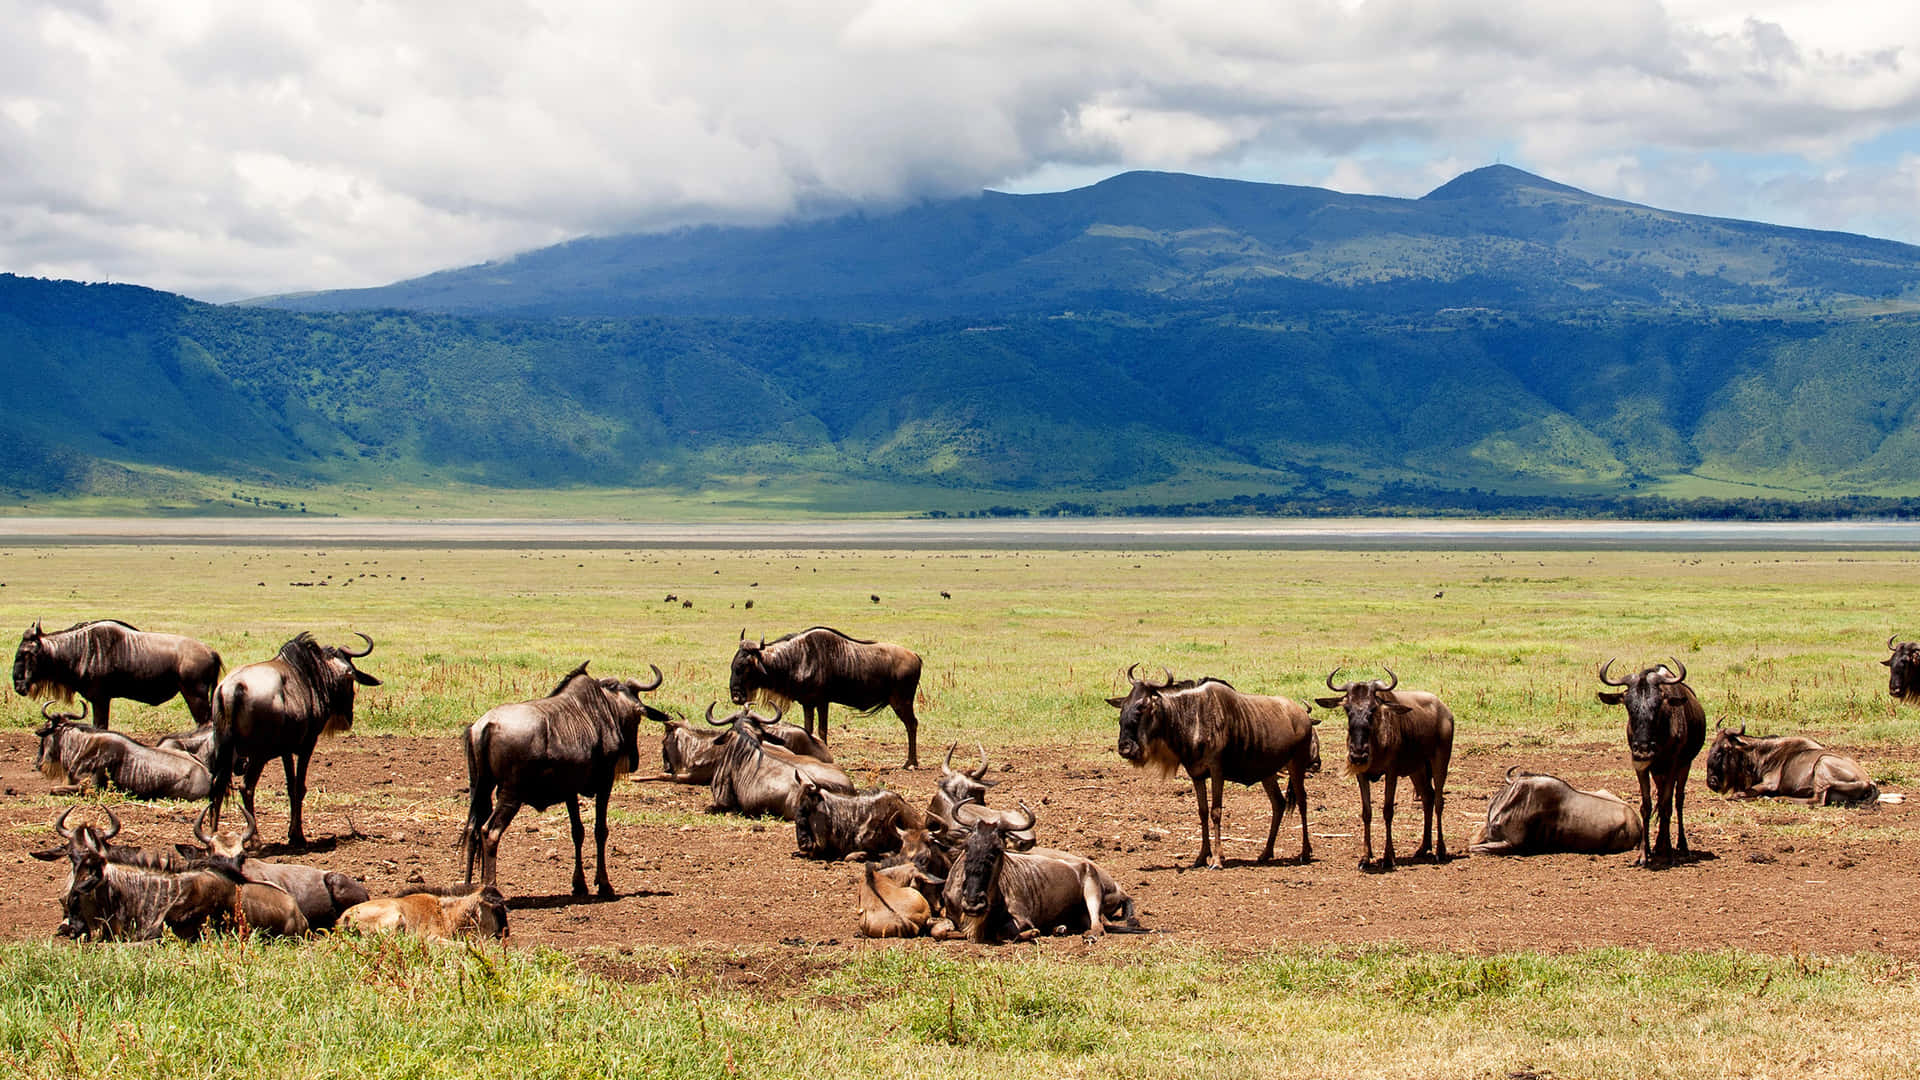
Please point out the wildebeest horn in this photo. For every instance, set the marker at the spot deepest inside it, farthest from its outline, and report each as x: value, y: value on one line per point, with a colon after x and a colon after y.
x: 958, y: 816
x: 945, y: 766
x: 1342, y: 688
x: 60, y: 823
x: 1391, y: 675
x: 36, y: 628
x: 350, y: 654
x: 711, y: 720
x: 113, y: 825
x: 200, y: 827
x: 253, y: 825
x: 657, y: 679
x: 1131, y: 668
x: 69, y: 717
x: 1680, y: 667
x: 982, y: 770
x: 778, y: 712
x: 1031, y: 820
x: 1510, y: 771
x: 1607, y: 681
x: 1890, y: 638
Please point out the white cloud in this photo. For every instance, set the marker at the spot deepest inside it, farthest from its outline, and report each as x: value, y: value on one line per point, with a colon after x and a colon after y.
x: 222, y: 148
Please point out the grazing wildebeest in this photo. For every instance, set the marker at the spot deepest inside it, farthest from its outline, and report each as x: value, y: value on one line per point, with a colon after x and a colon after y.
x: 821, y: 666
x: 1903, y: 676
x: 958, y: 786
x: 106, y: 659
x: 1666, y: 726
x: 1787, y: 766
x: 320, y: 894
x: 892, y: 904
x: 996, y: 894
x: 689, y: 755
x: 73, y: 754
x: 753, y: 778
x: 280, y: 708
x: 1537, y: 814
x: 469, y: 913
x: 1218, y: 733
x: 134, y: 899
x: 829, y: 825
x: 1393, y: 733
x: 575, y: 741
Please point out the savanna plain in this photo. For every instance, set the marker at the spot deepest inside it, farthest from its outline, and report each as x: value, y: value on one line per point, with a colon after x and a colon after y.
x: 1787, y: 947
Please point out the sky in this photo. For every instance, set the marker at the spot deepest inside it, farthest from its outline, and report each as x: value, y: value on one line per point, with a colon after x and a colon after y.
x: 232, y: 149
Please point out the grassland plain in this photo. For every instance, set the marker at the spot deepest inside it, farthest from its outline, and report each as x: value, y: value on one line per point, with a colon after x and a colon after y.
x: 1019, y: 654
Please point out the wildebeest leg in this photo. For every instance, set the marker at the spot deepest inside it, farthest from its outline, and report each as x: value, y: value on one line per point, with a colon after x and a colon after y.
x: 1208, y: 856
x: 824, y: 706
x: 1680, y: 807
x: 1646, y: 819
x: 1090, y: 892
x: 199, y: 701
x: 1366, y: 821
x: 296, y: 793
x: 1297, y: 793
x: 490, y: 846
x: 1392, y: 784
x: 602, y: 884
x: 579, y: 837
x: 1663, y: 792
x: 1423, y: 789
x: 1438, y: 776
x: 1279, y: 801
x: 249, y: 782
x: 903, y: 708
x: 102, y: 712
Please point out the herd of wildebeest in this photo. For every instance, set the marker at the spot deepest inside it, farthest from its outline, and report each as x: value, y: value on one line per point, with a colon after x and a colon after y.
x: 956, y: 869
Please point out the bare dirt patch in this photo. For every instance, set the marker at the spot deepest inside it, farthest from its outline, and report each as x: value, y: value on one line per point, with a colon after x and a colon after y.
x: 1782, y: 877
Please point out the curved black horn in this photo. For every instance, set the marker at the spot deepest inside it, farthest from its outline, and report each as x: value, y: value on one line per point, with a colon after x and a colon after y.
x: 962, y: 821
x: 657, y: 679
x: 711, y: 720
x: 71, y: 718
x: 1680, y: 670
x: 1890, y: 642
x: 1603, y: 675
x: 60, y: 823
x: 350, y: 654
x: 1510, y: 770
x: 1168, y: 676
x: 200, y: 827
x: 253, y: 825
x: 982, y: 770
x: 1342, y: 688
x: 113, y: 825
x: 1030, y: 823
x: 1131, y: 668
x: 1391, y: 675
x: 778, y: 712
x: 947, y: 765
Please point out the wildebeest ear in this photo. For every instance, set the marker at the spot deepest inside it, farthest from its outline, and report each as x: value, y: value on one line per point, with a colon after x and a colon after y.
x: 50, y: 854
x: 1117, y: 702
x: 364, y: 679
x: 1609, y: 698
x: 1329, y: 702
x: 189, y: 850
x: 1888, y: 662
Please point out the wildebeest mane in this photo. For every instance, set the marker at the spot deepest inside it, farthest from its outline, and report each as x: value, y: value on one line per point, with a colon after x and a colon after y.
x: 577, y: 713
x: 815, y: 653
x: 1196, y: 713
x: 569, y: 677
x: 307, y: 659
x: 85, y: 656
x: 837, y: 633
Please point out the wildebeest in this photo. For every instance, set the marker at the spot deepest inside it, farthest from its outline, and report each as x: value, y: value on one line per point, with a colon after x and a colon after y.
x: 689, y: 755
x: 468, y: 913
x: 1393, y: 733
x: 133, y: 899
x: 280, y: 708
x: 106, y: 659
x: 1537, y: 814
x: 830, y: 825
x: 575, y: 741
x: 1903, y: 675
x: 994, y: 894
x: 891, y: 901
x: 1787, y: 766
x: 320, y: 894
x: 1666, y: 727
x: 754, y: 778
x: 74, y: 754
x: 198, y: 742
x: 821, y: 666
x: 1218, y: 733
x: 958, y: 786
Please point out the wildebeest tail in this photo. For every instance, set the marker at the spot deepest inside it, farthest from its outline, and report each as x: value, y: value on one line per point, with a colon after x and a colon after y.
x: 479, y: 795
x: 224, y: 747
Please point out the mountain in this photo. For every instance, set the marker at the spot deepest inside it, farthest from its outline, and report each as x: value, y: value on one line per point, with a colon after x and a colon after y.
x: 1154, y: 340
x: 1156, y: 242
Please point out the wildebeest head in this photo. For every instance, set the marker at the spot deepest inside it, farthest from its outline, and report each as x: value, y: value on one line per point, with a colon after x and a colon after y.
x: 1647, y: 695
x: 1903, y: 671
x: 342, y: 660
x: 26, y: 660
x: 1728, y: 766
x: 86, y: 854
x: 222, y: 845
x: 1144, y: 722
x: 47, y: 761
x: 959, y: 785
x: 1372, y: 711
x: 806, y: 802
x: 983, y: 855
x: 748, y: 672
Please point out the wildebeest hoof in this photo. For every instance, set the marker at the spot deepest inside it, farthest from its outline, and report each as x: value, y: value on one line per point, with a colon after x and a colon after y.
x: 580, y: 891
x: 605, y: 892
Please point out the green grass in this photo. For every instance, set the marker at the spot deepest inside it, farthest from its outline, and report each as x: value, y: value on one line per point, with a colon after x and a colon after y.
x: 351, y: 1007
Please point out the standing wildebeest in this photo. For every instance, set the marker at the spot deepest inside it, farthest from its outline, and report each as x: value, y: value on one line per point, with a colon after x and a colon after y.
x: 575, y: 741
x: 1789, y: 766
x: 1537, y: 814
x: 320, y: 894
x: 73, y: 753
x: 1666, y: 727
x: 754, y: 778
x: 1390, y: 734
x: 280, y: 708
x: 106, y: 659
x: 1216, y: 732
x: 995, y: 894
x: 821, y: 666
x: 1903, y: 676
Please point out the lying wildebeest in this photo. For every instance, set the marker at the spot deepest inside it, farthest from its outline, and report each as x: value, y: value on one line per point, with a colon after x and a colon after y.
x: 73, y: 754
x: 1787, y: 766
x: 575, y: 741
x: 689, y: 756
x: 469, y: 913
x: 830, y: 825
x: 1393, y: 733
x: 754, y: 778
x: 320, y: 894
x: 106, y: 659
x: 994, y: 894
x: 821, y: 666
x: 1666, y: 726
x: 892, y: 903
x: 956, y: 787
x: 113, y: 900
x: 1903, y: 675
x: 198, y: 743
x: 1537, y: 814
x: 1218, y: 733
x: 280, y: 708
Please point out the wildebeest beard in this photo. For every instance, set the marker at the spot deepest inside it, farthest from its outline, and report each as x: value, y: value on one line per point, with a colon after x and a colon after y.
x: 779, y: 701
